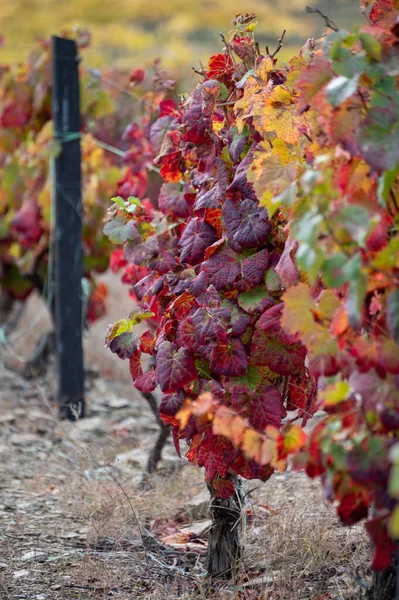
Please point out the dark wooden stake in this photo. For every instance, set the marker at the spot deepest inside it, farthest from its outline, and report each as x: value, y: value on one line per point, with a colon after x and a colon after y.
x: 68, y: 229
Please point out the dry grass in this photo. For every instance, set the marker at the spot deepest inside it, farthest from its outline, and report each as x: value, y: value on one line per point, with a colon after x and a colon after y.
x: 295, y: 548
x: 305, y: 552
x: 56, y: 496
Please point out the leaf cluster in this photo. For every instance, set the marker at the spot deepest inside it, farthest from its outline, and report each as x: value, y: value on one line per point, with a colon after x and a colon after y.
x: 209, y: 265
x: 342, y: 211
x: 27, y: 146
x: 271, y: 267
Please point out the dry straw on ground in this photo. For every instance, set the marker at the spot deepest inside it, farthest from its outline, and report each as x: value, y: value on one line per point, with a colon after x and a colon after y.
x: 70, y: 508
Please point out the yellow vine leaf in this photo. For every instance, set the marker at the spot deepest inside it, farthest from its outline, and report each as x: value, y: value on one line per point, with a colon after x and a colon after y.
x: 388, y: 257
x: 335, y: 393
x: 271, y: 171
x: 293, y: 440
x: 256, y: 89
x: 297, y: 314
x: 311, y: 321
x: 328, y: 305
x: 252, y: 445
x: 278, y: 113
x: 297, y: 65
x: 137, y: 316
x: 229, y: 424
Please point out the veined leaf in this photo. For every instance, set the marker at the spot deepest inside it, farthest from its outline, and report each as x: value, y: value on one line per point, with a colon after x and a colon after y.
x: 118, y: 231
x: 175, y: 367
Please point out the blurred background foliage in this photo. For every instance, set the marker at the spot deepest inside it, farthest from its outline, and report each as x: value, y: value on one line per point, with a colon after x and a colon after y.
x: 131, y: 33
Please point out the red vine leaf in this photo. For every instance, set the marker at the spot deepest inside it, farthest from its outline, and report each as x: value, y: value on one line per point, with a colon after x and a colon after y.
x: 272, y: 347
x: 197, y: 236
x: 175, y: 367
x: 229, y: 359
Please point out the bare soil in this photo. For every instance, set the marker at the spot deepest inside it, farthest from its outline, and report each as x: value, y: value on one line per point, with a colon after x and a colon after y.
x: 74, y: 523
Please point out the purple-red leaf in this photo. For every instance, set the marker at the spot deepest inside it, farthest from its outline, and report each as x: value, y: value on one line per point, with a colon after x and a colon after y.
x: 266, y: 407
x: 238, y: 318
x: 253, y: 269
x: 226, y: 270
x: 285, y: 267
x: 240, y: 181
x: 197, y: 236
x: 142, y: 287
x: 175, y: 367
x: 172, y: 202
x: 124, y: 345
x: 159, y: 129
x: 247, y: 224
x: 185, y: 335
x: 229, y: 359
x: 211, y: 325
x: 261, y: 408
x: 223, y: 269
x: 272, y: 347
x: 170, y: 405
x: 211, y: 197
x: 237, y: 144
x: 147, y: 382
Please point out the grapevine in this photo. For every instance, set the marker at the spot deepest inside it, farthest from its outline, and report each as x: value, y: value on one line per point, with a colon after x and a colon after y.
x: 269, y: 270
x: 109, y: 101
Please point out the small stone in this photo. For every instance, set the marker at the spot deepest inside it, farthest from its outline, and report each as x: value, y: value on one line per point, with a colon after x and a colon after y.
x: 83, y: 429
x: 118, y: 403
x: 199, y: 529
x: 3, y: 565
x: 20, y: 412
x: 7, y: 418
x: 128, y: 424
x: 136, y: 457
x: 98, y: 409
x: 70, y: 535
x: 34, y: 555
x: 23, y: 439
x: 198, y: 507
x: 93, y: 424
x: 40, y: 415
x: 99, y: 474
x: 21, y: 573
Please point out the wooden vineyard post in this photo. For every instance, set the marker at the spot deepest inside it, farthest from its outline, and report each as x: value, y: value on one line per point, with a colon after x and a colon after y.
x: 68, y: 229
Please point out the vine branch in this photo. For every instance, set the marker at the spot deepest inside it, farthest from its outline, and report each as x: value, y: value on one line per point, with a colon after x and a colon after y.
x: 328, y: 22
